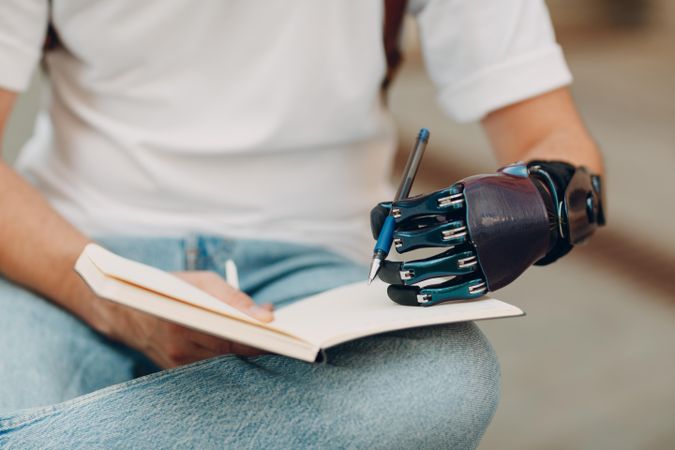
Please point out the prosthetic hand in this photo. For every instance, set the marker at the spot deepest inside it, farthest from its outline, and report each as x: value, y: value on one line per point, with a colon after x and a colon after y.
x: 493, y: 227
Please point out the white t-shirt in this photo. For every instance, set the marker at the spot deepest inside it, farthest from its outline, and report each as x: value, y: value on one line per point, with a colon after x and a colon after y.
x: 248, y: 119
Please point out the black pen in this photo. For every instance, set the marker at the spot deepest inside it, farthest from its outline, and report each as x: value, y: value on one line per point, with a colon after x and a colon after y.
x: 386, y: 235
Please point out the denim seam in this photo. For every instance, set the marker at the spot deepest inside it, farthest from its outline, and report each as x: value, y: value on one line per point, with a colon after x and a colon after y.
x: 191, y: 253
x: 21, y: 421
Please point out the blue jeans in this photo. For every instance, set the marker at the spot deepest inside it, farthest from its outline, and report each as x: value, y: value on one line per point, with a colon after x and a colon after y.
x: 62, y: 385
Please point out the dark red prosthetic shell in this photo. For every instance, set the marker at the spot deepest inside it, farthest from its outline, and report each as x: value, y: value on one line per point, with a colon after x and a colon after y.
x: 508, y: 224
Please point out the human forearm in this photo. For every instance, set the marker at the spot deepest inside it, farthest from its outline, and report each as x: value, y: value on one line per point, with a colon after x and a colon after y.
x: 39, y: 247
x: 546, y: 127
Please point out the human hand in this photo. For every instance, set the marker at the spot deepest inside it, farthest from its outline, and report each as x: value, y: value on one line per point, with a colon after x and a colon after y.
x: 494, y: 226
x: 169, y: 344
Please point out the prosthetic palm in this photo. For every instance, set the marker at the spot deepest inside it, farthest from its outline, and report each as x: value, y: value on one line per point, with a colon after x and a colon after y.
x: 492, y: 228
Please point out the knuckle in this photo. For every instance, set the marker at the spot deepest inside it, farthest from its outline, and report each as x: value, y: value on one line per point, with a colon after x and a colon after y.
x: 239, y: 300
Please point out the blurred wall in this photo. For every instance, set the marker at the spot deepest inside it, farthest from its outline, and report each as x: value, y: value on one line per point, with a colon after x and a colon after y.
x: 20, y: 125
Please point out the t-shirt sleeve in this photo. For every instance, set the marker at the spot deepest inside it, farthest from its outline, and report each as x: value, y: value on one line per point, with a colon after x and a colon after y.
x: 23, y: 25
x: 486, y: 54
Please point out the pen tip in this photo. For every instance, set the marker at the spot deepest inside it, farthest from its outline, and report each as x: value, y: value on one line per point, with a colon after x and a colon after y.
x: 374, y: 268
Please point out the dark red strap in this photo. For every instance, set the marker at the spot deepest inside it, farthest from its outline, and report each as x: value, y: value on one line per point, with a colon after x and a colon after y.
x: 394, y: 11
x: 52, y: 38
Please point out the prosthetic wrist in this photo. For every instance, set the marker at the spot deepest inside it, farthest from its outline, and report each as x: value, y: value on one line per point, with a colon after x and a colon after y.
x: 575, y: 200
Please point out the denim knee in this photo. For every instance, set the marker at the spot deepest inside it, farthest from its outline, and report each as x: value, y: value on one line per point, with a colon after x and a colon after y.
x: 435, y: 387
x: 466, y: 374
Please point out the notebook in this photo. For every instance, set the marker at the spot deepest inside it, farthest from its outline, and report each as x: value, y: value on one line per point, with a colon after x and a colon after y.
x: 299, y: 331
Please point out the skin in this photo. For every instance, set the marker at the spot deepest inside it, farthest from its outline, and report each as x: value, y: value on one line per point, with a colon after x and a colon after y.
x: 545, y: 127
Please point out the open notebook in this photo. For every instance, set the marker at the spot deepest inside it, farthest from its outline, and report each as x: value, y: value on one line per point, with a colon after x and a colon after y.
x: 300, y: 330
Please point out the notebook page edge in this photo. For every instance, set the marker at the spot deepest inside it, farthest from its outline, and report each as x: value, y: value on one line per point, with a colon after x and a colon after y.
x: 85, y: 258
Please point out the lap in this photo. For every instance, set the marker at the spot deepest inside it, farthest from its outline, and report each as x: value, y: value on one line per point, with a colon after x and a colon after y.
x: 435, y: 387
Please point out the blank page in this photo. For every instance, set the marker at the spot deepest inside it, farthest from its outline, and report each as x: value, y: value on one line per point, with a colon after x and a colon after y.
x: 358, y: 309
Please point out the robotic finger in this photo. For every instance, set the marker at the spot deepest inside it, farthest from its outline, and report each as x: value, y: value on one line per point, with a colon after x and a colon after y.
x: 443, y: 235
x: 441, y: 202
x: 452, y: 262
x: 458, y: 288
x: 432, y: 220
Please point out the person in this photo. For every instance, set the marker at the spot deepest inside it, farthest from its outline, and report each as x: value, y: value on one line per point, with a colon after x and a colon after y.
x: 183, y: 135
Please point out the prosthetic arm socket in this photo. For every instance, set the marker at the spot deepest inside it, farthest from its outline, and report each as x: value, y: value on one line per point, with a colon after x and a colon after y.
x: 530, y: 214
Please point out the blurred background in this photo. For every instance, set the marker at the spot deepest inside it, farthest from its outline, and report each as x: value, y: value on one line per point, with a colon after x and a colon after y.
x: 592, y: 365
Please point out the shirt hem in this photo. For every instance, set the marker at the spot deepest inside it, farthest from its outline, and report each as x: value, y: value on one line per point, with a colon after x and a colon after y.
x: 504, y: 84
